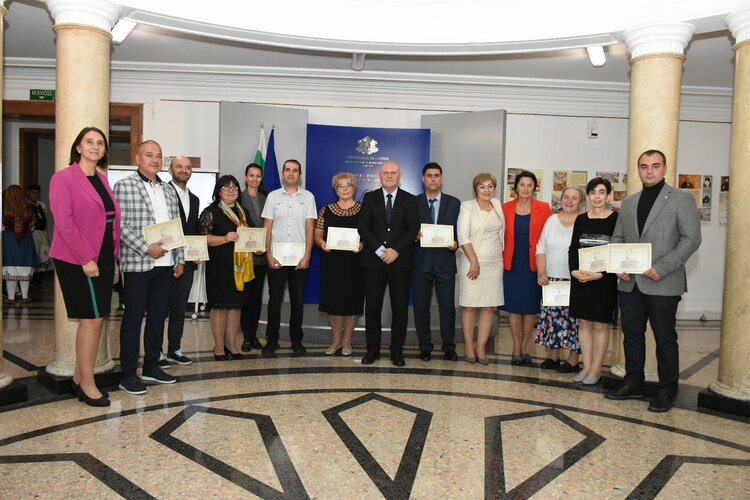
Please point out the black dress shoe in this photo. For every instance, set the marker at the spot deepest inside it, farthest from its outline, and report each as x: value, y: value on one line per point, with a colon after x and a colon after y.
x: 566, y: 367
x: 370, y: 358
x: 247, y: 346
x: 550, y: 364
x: 220, y: 357
x: 235, y: 355
x: 662, y: 402
x: 256, y: 344
x: 425, y: 355
x: 451, y: 355
x: 397, y: 359
x: 98, y: 402
x: 298, y: 349
x: 269, y: 350
x: 74, y: 388
x: 625, y: 392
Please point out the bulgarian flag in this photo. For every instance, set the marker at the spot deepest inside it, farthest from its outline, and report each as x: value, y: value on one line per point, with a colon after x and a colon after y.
x: 260, y: 154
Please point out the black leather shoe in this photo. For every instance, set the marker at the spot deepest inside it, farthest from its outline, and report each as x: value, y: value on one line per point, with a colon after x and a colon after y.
x: 451, y: 355
x: 298, y: 349
x: 625, y: 392
x: 99, y: 402
x: 220, y: 357
x: 397, y: 359
x: 662, y: 402
x: 269, y: 350
x: 425, y: 355
x: 247, y: 346
x: 370, y: 358
x: 74, y: 388
x: 256, y: 344
x: 566, y: 367
x: 550, y: 364
x: 235, y: 355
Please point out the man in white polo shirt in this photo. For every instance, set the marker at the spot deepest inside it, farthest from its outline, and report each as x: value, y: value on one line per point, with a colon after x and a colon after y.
x: 288, y: 216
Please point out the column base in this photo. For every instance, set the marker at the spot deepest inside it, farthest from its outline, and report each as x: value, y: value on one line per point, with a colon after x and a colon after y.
x: 714, y: 401
x: 16, y: 392
x: 611, y: 382
x: 57, y: 384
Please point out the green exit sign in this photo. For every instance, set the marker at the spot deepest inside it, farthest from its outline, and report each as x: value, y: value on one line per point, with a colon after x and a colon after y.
x: 41, y: 95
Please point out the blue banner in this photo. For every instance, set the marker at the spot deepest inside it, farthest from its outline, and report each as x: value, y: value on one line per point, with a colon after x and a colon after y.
x: 361, y: 151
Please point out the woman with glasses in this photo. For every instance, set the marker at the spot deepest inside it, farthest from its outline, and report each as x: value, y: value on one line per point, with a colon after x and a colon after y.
x: 341, y: 286
x: 227, y: 272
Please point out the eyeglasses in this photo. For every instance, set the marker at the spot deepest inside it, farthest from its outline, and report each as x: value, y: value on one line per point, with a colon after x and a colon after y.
x: 230, y: 188
x: 344, y: 186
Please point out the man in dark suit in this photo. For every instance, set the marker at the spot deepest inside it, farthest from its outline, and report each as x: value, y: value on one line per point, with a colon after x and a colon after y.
x: 388, y: 226
x: 666, y: 218
x: 181, y: 169
x: 435, y: 267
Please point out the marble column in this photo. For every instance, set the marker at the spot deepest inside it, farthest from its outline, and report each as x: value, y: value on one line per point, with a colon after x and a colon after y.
x: 656, y: 57
x: 734, y: 377
x: 82, y: 37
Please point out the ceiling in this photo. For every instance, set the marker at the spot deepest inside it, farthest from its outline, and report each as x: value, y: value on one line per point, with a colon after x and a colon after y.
x: 28, y: 34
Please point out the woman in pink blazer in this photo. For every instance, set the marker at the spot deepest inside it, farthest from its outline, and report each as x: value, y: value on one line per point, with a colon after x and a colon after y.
x: 86, y: 248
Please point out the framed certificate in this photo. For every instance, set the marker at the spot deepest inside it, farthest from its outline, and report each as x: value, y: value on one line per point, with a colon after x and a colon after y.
x: 250, y: 239
x: 289, y: 254
x: 633, y: 258
x: 436, y: 235
x: 342, y: 238
x: 196, y: 248
x: 593, y: 259
x: 169, y: 234
x: 556, y: 293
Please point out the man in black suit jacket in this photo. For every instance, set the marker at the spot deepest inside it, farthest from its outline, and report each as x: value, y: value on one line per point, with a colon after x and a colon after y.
x: 388, y: 226
x: 436, y: 267
x: 181, y: 170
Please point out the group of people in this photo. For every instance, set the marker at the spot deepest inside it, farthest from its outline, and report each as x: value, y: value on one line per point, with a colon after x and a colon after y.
x: 503, y: 254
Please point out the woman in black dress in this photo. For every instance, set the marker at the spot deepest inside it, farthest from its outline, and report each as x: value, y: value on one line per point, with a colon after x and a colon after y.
x: 341, y: 286
x: 227, y: 272
x: 593, y: 295
x: 86, y: 247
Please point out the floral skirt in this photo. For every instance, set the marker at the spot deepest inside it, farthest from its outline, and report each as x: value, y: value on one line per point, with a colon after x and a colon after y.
x: 556, y: 329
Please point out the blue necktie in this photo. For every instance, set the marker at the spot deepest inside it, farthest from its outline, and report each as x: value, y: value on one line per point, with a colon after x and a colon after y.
x: 432, y: 210
x: 389, y: 207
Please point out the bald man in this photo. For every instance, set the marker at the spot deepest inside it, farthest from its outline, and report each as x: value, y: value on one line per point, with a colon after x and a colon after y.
x: 181, y: 169
x: 388, y: 225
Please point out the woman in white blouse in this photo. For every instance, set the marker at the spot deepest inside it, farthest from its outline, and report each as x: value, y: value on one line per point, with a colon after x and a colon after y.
x: 556, y: 329
x: 480, y: 228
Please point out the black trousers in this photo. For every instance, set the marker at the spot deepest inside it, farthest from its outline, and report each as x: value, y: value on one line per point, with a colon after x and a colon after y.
x: 445, y: 288
x: 147, y: 292
x: 296, y: 279
x: 178, y: 301
x: 397, y: 282
x: 251, y: 309
x: 660, y: 311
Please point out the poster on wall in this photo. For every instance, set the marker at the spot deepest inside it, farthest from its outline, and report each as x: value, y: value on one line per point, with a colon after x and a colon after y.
x: 361, y: 151
x: 699, y: 187
x: 562, y: 179
x: 510, y: 179
x: 723, y: 200
x: 619, y: 181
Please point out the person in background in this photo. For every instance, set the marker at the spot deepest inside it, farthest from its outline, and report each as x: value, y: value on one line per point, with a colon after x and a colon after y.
x: 525, y: 218
x: 181, y: 169
x: 19, y: 255
x: 481, y: 225
x: 86, y: 248
x: 253, y: 200
x: 40, y: 234
x: 557, y: 329
x: 227, y: 271
x: 342, y: 293
x: 593, y: 295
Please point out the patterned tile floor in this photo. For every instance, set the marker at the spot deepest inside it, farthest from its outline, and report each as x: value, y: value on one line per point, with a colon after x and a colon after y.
x: 328, y: 427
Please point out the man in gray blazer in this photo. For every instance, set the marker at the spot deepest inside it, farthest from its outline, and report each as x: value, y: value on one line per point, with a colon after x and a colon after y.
x: 148, y: 269
x: 668, y: 219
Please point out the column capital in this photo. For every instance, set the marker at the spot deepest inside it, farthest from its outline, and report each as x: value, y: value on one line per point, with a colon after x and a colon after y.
x: 739, y: 24
x: 658, y: 39
x: 102, y: 14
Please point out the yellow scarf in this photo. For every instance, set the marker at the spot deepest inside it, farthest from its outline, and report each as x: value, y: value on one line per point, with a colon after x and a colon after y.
x: 243, y: 264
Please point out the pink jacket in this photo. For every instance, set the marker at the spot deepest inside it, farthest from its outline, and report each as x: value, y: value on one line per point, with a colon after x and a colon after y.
x: 79, y: 217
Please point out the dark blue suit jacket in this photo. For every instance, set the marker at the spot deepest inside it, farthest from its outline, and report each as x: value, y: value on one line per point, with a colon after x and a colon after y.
x: 439, y: 260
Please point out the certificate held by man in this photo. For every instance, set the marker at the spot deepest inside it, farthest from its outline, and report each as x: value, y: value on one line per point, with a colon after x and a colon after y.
x: 288, y: 254
x: 631, y: 258
x: 593, y: 259
x: 168, y: 234
x: 342, y: 238
x: 436, y: 235
x: 250, y: 239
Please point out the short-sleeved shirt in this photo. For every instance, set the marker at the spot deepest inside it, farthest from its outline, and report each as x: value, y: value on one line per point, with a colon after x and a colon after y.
x: 289, y: 213
x: 554, y: 244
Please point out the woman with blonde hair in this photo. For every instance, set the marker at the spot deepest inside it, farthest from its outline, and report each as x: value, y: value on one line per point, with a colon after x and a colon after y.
x: 480, y: 228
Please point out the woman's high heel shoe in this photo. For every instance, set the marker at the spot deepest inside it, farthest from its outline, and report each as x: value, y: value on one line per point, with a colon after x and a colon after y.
x: 98, y: 402
x: 220, y: 357
x: 74, y: 388
x: 332, y: 350
x: 232, y: 355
